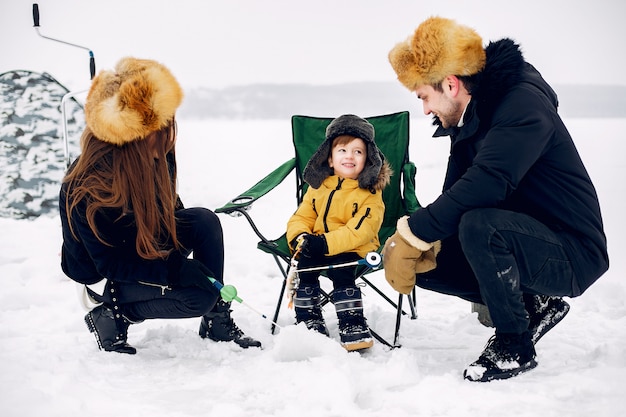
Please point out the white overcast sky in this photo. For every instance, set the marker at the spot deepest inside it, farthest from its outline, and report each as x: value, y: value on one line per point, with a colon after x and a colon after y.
x: 237, y: 42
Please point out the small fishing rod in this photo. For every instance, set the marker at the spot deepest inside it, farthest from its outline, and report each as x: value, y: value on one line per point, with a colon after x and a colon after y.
x: 372, y: 260
x: 229, y: 293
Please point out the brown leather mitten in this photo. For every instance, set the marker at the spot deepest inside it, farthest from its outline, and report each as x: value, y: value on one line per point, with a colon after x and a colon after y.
x: 405, y: 255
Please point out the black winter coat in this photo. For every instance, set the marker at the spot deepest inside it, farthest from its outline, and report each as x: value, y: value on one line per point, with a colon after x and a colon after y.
x: 514, y: 152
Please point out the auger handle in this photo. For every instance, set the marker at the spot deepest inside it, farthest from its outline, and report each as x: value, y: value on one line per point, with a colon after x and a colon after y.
x: 36, y: 15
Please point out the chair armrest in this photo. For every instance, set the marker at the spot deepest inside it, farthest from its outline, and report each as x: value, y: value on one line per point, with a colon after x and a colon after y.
x: 245, y: 199
x: 411, y: 204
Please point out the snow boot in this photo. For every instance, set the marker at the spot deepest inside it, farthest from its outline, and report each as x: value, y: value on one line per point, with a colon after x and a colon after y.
x: 217, y: 325
x: 544, y: 313
x: 353, y: 330
x: 307, y: 304
x: 110, y: 330
x: 506, y: 355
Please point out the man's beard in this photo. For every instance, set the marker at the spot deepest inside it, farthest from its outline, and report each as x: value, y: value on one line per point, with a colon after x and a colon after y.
x: 450, y: 119
x: 436, y: 121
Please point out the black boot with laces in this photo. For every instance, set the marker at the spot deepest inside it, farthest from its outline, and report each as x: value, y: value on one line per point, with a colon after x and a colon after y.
x: 111, y: 333
x: 506, y: 355
x: 217, y: 325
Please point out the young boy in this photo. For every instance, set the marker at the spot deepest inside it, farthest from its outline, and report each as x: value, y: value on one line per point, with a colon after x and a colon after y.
x: 338, y: 222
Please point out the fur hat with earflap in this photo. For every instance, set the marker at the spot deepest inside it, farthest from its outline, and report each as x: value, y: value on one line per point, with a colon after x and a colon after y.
x: 438, y: 48
x: 376, y: 173
x: 139, y: 97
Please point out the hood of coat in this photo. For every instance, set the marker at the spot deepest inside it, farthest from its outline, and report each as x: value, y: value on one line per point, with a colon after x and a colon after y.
x: 504, y: 69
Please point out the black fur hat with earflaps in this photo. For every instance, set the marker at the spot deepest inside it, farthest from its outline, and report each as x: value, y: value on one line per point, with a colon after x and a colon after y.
x: 318, y: 169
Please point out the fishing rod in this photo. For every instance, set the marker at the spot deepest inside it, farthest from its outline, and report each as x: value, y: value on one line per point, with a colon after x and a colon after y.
x: 229, y: 293
x: 372, y: 260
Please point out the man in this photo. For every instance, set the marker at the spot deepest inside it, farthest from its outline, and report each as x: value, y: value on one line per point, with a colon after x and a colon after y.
x: 518, y: 222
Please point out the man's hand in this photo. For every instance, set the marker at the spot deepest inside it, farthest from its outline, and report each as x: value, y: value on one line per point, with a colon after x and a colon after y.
x: 405, y: 255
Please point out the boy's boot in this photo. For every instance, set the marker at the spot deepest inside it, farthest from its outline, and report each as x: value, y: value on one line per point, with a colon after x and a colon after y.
x: 505, y: 356
x: 307, y: 304
x: 110, y: 330
x: 544, y: 313
x: 353, y: 330
x: 219, y: 326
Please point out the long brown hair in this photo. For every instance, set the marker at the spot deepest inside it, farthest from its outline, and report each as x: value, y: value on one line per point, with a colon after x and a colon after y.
x: 135, y: 178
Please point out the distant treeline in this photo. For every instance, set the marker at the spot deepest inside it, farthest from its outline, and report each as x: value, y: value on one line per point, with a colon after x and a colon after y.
x: 279, y: 101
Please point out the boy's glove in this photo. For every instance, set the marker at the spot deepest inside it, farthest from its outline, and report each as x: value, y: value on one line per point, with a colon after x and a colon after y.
x: 405, y: 255
x: 313, y: 246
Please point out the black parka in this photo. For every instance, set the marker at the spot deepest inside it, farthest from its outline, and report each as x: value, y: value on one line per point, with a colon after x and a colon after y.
x: 514, y: 152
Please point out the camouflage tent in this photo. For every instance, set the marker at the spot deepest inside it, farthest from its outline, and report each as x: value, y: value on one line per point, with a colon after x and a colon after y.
x: 32, y: 150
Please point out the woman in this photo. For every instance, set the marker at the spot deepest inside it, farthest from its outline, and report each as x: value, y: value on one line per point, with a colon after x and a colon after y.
x: 126, y: 234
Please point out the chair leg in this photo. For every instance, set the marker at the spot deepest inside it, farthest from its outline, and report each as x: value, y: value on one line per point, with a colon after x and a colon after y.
x: 278, y: 304
x: 282, y: 293
x: 381, y: 293
x: 399, y: 313
x: 396, y: 334
x: 381, y: 339
x: 412, y: 303
x: 324, y: 297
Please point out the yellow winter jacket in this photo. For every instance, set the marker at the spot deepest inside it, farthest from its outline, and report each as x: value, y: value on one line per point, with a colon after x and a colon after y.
x: 348, y: 216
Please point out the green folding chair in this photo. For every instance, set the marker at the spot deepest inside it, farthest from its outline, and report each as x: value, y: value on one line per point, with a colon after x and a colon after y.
x: 392, y: 138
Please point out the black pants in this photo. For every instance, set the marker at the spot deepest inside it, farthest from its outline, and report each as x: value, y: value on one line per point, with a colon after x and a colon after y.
x: 199, y: 230
x: 497, y: 256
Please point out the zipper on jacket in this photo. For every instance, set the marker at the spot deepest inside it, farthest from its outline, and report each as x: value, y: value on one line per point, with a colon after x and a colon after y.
x: 330, y: 199
x: 162, y: 287
x: 365, y: 216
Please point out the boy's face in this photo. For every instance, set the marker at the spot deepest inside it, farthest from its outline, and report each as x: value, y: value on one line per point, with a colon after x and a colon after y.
x: 348, y: 159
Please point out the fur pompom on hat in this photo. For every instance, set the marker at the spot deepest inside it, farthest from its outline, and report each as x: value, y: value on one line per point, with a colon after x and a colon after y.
x: 438, y: 48
x: 139, y: 97
x: 318, y: 169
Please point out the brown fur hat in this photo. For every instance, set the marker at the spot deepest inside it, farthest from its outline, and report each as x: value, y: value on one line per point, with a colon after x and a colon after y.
x: 140, y: 97
x: 375, y: 174
x: 438, y: 48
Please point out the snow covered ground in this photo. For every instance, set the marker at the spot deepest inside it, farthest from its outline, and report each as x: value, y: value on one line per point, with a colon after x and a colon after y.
x: 50, y: 364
